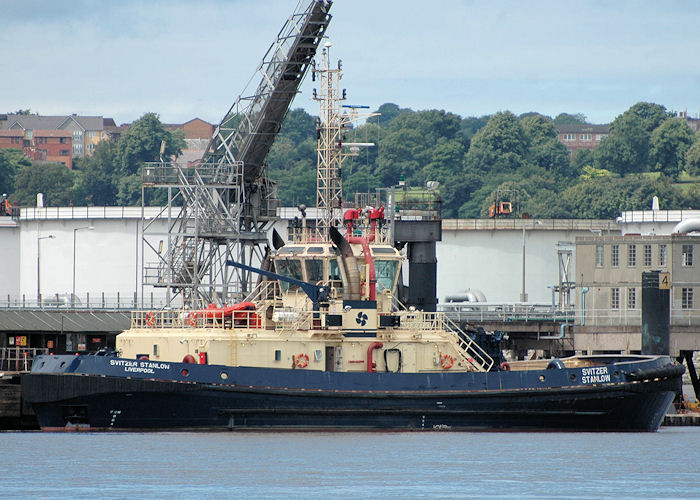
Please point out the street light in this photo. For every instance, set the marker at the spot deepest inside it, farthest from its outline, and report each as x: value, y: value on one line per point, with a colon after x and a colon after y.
x: 38, y: 266
x: 75, y: 230
x: 523, y: 294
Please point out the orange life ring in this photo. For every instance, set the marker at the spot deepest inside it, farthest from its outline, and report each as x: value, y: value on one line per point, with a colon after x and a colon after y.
x: 192, y: 319
x: 150, y: 318
x: 302, y: 360
x: 504, y: 367
x: 446, y: 361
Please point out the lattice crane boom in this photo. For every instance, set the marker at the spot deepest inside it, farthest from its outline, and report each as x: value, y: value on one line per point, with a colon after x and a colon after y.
x: 227, y: 202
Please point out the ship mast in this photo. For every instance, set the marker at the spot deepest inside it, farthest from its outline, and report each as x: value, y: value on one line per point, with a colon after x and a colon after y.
x: 333, y: 120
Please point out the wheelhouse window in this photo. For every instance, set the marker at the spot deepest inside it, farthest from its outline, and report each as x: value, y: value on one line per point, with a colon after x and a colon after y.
x: 386, y: 271
x: 314, y: 270
x: 334, y: 270
x: 291, y: 268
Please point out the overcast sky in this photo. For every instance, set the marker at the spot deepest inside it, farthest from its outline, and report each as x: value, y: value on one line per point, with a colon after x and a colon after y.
x: 185, y: 59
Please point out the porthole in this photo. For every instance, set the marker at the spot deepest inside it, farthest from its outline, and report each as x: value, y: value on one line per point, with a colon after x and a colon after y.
x: 224, y: 375
x: 541, y: 378
x: 185, y: 372
x: 616, y: 374
x: 572, y: 377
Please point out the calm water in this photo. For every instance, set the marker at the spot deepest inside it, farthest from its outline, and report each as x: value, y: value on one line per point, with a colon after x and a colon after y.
x: 351, y: 465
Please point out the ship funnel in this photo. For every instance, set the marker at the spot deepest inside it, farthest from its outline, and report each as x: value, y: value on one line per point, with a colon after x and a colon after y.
x: 351, y: 280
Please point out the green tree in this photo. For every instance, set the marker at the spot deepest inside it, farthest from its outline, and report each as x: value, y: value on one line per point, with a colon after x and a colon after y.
x: 52, y: 179
x: 500, y: 147
x: 692, y: 156
x: 580, y: 159
x: 627, y: 148
x: 569, y: 119
x: 98, y: 175
x: 11, y: 162
x: 616, y: 154
x: 545, y: 150
x: 669, y: 143
x: 142, y: 142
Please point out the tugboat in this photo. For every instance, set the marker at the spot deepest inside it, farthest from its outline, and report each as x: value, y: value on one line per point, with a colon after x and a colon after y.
x: 323, y: 343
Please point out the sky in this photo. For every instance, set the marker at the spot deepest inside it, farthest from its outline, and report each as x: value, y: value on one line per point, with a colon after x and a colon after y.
x: 185, y: 59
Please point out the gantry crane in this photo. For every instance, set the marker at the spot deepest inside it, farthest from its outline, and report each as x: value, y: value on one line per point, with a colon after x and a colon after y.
x: 222, y: 208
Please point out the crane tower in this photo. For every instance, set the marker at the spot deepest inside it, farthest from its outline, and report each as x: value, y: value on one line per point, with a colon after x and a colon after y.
x: 222, y: 208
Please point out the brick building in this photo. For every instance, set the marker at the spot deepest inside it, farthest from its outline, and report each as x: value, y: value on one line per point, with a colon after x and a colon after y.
x: 55, y: 146
x: 86, y: 131
x: 577, y: 136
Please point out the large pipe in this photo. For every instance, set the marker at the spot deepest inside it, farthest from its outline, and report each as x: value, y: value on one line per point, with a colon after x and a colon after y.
x: 349, y: 264
x: 371, y: 365
x: 686, y: 226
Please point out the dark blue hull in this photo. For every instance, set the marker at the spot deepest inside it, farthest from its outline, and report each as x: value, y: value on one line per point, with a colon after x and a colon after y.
x: 96, y: 393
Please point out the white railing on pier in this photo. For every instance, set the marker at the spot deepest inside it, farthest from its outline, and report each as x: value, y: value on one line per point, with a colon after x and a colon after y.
x: 19, y: 358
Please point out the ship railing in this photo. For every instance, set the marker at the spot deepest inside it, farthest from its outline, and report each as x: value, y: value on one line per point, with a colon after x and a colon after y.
x: 470, y: 352
x: 190, y: 318
x: 289, y: 320
x: 266, y: 290
x: 19, y: 358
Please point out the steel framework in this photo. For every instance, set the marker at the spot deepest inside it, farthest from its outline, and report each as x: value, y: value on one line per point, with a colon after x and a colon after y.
x: 222, y: 208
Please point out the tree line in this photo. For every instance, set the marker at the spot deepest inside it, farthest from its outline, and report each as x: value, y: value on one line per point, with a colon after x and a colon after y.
x: 649, y: 152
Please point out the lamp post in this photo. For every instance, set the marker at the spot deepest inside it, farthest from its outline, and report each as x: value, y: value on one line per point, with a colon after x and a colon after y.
x: 75, y: 230
x: 38, y: 266
x: 523, y: 294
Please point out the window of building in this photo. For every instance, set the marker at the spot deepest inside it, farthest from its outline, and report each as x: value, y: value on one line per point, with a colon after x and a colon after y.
x: 600, y: 137
x: 77, y: 149
x: 615, y: 255
x: 662, y: 255
x: 687, y: 298
x: 687, y: 256
x: 64, y: 140
x: 647, y: 255
x: 599, y: 256
x: 631, y: 255
x: 15, y: 140
x: 631, y: 298
x: 64, y: 152
x: 569, y: 137
x: 42, y: 140
x: 77, y: 135
x: 614, y: 298
x: 585, y: 137
x: 90, y: 134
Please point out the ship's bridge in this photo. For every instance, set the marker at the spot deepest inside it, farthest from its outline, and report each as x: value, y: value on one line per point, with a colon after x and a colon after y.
x: 319, y: 262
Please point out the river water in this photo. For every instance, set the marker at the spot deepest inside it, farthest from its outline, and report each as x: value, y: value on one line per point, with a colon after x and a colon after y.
x: 665, y: 464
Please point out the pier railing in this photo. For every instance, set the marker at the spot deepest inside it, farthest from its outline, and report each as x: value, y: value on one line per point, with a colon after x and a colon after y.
x: 19, y: 358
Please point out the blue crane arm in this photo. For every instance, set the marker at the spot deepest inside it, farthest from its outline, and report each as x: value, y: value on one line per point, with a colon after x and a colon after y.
x: 315, y: 292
